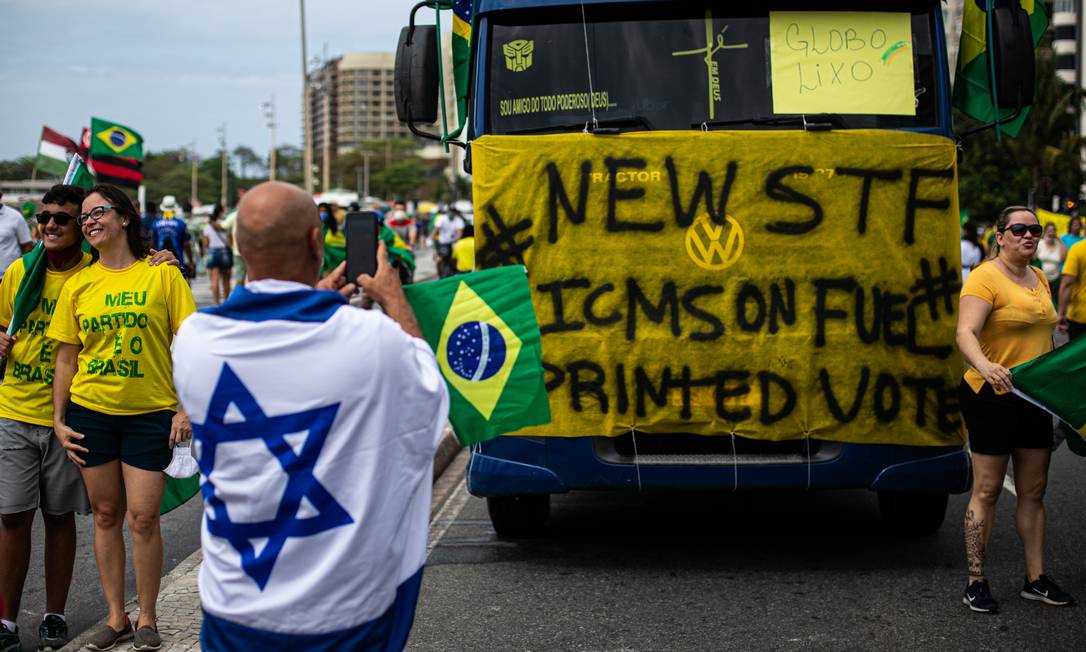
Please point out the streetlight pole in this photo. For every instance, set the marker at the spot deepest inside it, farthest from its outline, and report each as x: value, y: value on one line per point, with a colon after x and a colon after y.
x: 366, y: 174
x: 222, y: 143
x: 269, y: 114
x: 307, y: 149
x: 194, y: 197
x: 326, y: 147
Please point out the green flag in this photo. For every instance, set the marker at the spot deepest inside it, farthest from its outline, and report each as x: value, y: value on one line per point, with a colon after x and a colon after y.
x: 177, y: 492
x: 112, y: 139
x: 28, y: 294
x: 973, y: 81
x: 78, y: 174
x: 1056, y: 381
x: 483, y: 329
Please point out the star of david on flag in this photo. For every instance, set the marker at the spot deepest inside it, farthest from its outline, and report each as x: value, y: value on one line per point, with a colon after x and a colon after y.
x: 297, y: 464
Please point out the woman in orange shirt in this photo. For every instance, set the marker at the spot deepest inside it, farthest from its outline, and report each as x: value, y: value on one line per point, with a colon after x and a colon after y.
x: 1006, y: 318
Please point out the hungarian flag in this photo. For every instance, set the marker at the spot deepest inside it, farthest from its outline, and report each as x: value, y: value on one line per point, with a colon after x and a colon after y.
x: 54, y: 150
x: 461, y: 54
x: 973, y: 83
x: 483, y: 329
x: 1056, y: 382
x: 116, y: 153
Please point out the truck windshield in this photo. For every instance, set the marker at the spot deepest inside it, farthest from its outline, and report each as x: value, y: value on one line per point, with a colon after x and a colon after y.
x: 672, y: 65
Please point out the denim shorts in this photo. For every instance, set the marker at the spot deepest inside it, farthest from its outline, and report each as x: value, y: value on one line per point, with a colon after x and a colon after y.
x: 220, y: 258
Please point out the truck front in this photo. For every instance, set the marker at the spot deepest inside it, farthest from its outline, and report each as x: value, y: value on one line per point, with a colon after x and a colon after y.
x: 740, y: 224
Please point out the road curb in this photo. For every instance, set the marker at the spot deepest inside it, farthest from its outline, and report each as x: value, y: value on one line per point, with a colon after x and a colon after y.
x: 447, y: 450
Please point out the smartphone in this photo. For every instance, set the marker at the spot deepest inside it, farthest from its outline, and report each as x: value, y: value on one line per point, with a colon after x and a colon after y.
x: 360, y: 229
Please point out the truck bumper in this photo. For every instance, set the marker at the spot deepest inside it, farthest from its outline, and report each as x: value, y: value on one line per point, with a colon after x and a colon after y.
x: 520, y: 465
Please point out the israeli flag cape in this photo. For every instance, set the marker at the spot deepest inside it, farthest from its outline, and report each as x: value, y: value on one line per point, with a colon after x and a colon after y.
x: 314, y: 425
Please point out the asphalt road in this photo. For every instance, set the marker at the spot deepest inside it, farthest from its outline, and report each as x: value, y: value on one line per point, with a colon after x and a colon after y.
x: 771, y: 571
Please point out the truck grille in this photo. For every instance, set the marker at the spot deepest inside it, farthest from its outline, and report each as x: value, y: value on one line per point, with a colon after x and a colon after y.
x: 685, y: 449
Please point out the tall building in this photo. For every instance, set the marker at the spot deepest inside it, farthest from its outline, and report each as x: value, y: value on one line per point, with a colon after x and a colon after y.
x: 352, y: 101
x: 1065, y: 46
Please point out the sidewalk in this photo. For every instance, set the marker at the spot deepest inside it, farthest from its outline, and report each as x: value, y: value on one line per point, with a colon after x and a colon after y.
x: 179, y: 614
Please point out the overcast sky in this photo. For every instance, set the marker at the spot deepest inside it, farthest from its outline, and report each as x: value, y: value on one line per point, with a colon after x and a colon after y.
x: 173, y: 70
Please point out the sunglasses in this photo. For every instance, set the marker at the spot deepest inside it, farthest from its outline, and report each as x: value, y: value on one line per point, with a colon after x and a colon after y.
x: 1019, y: 230
x: 61, y: 219
x: 95, y: 214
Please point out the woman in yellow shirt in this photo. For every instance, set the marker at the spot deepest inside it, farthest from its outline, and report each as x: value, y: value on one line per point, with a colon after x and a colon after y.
x: 1006, y: 318
x: 114, y: 406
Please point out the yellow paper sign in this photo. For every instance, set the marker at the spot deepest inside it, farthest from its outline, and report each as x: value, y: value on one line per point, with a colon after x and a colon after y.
x: 776, y: 285
x: 842, y: 62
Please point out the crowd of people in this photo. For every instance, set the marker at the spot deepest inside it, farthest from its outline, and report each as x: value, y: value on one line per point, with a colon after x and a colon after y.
x: 113, y: 367
x: 104, y: 371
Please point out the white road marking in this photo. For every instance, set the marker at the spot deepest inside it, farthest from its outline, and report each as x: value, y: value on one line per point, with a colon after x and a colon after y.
x: 447, y: 515
x: 1008, y: 484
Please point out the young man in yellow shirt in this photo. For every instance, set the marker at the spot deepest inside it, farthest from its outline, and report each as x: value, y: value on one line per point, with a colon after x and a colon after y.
x: 1073, y: 292
x: 463, y: 251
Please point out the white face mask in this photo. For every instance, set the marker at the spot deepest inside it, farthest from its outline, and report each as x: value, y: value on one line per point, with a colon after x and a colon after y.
x: 183, y: 465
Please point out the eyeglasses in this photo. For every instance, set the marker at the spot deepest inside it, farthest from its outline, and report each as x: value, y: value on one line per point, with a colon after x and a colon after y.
x: 95, y: 214
x: 61, y: 219
x: 1019, y: 230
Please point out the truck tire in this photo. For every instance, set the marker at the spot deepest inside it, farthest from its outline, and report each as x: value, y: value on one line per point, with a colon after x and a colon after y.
x: 912, y: 513
x: 517, y: 517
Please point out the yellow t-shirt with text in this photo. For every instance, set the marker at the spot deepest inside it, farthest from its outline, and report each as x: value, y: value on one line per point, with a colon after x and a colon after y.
x: 1019, y: 328
x: 125, y: 320
x: 26, y: 394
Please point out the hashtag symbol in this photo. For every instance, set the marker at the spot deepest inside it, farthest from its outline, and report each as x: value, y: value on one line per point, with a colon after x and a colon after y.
x: 500, y: 244
x: 930, y: 289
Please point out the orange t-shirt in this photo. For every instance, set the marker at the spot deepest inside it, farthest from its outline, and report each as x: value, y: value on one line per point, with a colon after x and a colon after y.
x: 1021, y: 323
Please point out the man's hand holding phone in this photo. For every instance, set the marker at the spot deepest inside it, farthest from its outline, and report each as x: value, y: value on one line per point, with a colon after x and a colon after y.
x: 384, y: 287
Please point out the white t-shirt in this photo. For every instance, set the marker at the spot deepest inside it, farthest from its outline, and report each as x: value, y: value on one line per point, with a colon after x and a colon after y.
x: 216, y: 239
x: 971, y: 257
x: 1050, y: 258
x: 448, y: 226
x: 319, y: 537
x: 13, y: 234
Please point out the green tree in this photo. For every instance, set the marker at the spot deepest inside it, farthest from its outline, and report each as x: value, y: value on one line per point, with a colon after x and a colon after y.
x: 400, y: 180
x: 18, y: 169
x: 247, y: 160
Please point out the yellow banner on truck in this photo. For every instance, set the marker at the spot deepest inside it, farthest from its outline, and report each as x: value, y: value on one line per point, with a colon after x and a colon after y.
x: 775, y: 285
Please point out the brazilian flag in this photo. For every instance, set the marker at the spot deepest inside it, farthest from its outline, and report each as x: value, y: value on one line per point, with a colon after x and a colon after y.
x: 28, y: 294
x: 112, y: 139
x: 482, y: 327
x: 1054, y: 382
x: 461, y: 54
x: 973, y: 82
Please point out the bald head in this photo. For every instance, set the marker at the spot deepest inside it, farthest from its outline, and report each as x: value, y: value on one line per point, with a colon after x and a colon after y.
x: 278, y: 233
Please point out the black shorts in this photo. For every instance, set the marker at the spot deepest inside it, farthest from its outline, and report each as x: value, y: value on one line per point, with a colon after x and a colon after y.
x: 1000, y: 423
x: 139, y: 440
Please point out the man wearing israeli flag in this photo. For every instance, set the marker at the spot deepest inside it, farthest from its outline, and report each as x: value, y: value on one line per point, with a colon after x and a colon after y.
x: 314, y: 425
